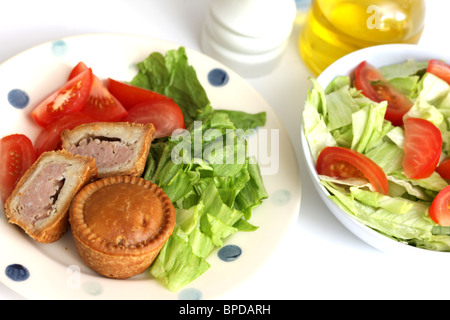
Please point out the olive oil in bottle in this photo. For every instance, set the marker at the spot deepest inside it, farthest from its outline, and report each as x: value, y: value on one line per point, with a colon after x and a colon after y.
x: 334, y: 28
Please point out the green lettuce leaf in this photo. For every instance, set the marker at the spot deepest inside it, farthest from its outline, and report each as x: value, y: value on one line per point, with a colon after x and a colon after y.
x: 404, y: 69
x: 172, y: 76
x: 410, y: 225
x: 178, y: 264
x: 244, y: 120
x: 205, y: 170
x: 341, y: 106
x: 392, y: 204
x: 314, y: 125
x: 369, y: 127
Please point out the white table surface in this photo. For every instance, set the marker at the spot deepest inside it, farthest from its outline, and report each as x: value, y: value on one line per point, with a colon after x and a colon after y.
x: 319, y: 258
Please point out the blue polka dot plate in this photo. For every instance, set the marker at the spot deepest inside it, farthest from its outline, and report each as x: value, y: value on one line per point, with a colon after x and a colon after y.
x: 55, y: 271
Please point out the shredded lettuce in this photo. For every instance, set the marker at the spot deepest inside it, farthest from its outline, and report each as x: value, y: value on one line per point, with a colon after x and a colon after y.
x: 404, y: 69
x: 314, y: 122
x: 341, y: 115
x: 205, y: 170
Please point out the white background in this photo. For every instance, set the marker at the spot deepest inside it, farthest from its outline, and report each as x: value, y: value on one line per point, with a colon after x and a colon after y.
x: 319, y: 259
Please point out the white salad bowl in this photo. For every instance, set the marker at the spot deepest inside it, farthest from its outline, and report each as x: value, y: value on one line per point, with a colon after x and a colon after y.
x: 378, y: 56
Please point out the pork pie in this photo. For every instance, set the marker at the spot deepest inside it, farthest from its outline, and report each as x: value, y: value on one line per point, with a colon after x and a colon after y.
x: 119, y: 225
x: 119, y: 148
x: 40, y: 202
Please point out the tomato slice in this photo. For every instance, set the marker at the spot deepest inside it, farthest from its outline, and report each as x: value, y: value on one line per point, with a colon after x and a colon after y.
x: 50, y: 136
x: 440, y: 69
x: 373, y: 85
x: 422, y: 146
x: 439, y: 210
x: 101, y: 104
x: 344, y: 163
x: 130, y: 95
x: 164, y: 114
x: 16, y: 156
x: 444, y: 169
x: 69, y: 98
x: 79, y: 68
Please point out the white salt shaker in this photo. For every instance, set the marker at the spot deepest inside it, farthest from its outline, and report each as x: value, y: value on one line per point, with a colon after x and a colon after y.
x: 248, y: 36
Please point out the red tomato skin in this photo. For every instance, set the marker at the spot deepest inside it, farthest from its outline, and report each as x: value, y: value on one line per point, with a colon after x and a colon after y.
x: 164, y: 114
x: 439, y: 210
x: 50, y: 137
x: 16, y: 155
x: 444, y: 169
x: 440, y: 69
x: 79, y: 68
x: 130, y: 95
x: 341, y: 162
x: 76, y: 91
x: 422, y: 146
x: 101, y: 104
x: 398, y: 103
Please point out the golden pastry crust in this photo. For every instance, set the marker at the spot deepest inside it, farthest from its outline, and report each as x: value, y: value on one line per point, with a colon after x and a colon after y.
x: 119, y: 225
x: 50, y: 229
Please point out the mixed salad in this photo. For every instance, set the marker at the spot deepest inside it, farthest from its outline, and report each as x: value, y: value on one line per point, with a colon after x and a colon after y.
x: 214, y: 197
x: 380, y: 140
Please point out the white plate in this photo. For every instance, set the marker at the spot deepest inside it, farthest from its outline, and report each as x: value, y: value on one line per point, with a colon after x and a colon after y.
x: 55, y: 271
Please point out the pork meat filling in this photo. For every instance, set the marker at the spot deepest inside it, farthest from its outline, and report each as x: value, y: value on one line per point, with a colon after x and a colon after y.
x: 38, y: 200
x: 107, y: 152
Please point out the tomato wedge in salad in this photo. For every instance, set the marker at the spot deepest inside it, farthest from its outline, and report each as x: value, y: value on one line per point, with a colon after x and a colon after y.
x: 444, y: 169
x: 70, y: 97
x: 344, y: 163
x: 440, y: 69
x: 439, y: 210
x: 130, y: 95
x: 165, y: 115
x: 101, y: 104
x: 50, y: 137
x: 16, y: 155
x: 374, y: 86
x: 422, y: 146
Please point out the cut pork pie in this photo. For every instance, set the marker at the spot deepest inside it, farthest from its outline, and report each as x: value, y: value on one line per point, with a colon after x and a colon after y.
x: 119, y: 148
x: 40, y: 202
